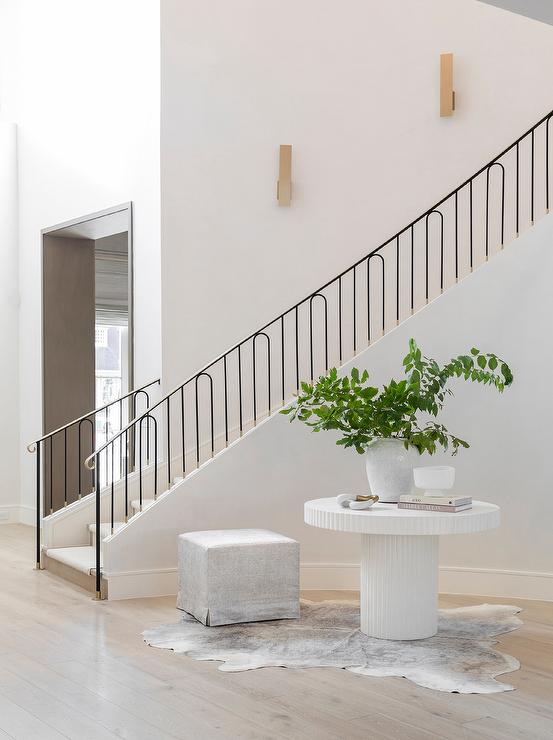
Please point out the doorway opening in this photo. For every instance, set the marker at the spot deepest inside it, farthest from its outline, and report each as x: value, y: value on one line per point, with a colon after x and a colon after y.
x: 87, y: 328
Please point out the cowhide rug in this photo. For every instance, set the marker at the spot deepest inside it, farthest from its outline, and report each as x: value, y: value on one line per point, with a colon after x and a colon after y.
x: 460, y: 658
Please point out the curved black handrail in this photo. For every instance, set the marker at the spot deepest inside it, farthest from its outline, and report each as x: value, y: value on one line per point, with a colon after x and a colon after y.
x: 465, y: 183
x: 90, y: 413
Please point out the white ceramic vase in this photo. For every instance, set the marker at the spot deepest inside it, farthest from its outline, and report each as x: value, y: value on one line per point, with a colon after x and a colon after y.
x: 390, y: 468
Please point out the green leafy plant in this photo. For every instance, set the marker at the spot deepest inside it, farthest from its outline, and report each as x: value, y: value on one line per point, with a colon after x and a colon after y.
x: 363, y: 413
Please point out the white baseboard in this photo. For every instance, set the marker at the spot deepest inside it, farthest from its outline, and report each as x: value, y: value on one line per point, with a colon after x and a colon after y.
x: 27, y: 515
x: 329, y: 576
x: 345, y: 577
x: 518, y: 584
x: 453, y: 580
x: 163, y: 582
x: 141, y: 584
x: 17, y: 514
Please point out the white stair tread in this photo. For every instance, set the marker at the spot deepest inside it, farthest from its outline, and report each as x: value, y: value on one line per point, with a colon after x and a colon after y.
x: 79, y: 558
x: 135, y: 505
x: 105, y: 528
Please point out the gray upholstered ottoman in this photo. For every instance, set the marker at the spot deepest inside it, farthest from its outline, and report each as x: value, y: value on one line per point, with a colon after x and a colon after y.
x: 238, y: 575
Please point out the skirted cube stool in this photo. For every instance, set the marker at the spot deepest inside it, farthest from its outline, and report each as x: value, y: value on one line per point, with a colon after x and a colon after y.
x: 238, y: 575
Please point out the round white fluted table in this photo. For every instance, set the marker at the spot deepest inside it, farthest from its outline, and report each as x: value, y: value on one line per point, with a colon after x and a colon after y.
x: 399, y: 560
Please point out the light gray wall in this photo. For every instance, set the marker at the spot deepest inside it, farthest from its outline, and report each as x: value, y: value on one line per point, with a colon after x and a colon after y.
x: 540, y: 10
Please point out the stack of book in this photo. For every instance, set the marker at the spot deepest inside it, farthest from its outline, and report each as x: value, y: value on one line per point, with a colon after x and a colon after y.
x: 435, y: 503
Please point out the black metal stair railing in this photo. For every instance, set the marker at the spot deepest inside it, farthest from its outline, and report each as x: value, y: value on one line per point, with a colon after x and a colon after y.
x: 61, y: 476
x: 226, y: 398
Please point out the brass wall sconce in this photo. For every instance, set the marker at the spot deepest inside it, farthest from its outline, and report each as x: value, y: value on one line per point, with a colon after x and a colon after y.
x: 447, y: 94
x: 284, y: 184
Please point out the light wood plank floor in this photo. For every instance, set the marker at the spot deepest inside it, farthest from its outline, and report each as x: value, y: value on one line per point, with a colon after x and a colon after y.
x: 74, y: 668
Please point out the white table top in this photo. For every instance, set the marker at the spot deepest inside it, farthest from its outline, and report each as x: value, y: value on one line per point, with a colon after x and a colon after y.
x: 388, y: 519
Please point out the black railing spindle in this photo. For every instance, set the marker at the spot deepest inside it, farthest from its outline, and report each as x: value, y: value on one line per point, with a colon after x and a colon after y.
x: 354, y: 313
x: 281, y: 359
x: 226, y: 400
x: 412, y: 269
x: 112, y: 497
x: 168, y: 412
x: 318, y: 295
x: 456, y: 236
x: 126, y: 466
x: 207, y: 375
x: 517, y: 217
x: 183, y: 428
x: 339, y: 324
x: 98, y: 542
x: 397, y: 279
x: 140, y: 461
x: 38, y: 508
x: 471, y: 230
x: 297, y: 355
x: 240, y: 413
x: 52, y: 474
x: 532, y: 180
x: 120, y: 445
x: 547, y: 164
x: 495, y: 164
x: 261, y: 334
x: 440, y: 214
x: 65, y: 467
x: 381, y: 258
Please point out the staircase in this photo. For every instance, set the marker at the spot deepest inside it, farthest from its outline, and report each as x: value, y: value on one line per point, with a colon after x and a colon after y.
x: 78, y: 563
x: 180, y: 435
x: 66, y: 488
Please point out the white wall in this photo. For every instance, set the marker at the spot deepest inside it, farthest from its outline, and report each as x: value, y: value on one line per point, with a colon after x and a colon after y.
x: 9, y: 376
x: 84, y: 91
x: 354, y: 88
x: 263, y: 480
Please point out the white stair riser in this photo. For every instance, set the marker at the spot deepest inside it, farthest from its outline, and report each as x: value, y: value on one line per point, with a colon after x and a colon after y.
x: 105, y: 530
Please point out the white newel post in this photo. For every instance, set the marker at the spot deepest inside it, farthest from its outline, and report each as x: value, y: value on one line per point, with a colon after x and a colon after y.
x: 399, y: 570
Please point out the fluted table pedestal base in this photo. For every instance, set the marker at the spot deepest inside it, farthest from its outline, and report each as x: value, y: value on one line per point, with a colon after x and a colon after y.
x: 399, y: 586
